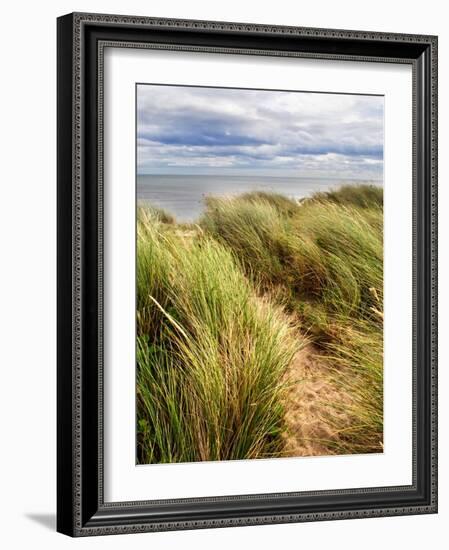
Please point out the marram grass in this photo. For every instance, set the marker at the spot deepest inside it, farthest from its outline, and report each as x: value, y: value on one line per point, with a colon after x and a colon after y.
x: 211, y: 355
x: 215, y: 303
x: 322, y: 259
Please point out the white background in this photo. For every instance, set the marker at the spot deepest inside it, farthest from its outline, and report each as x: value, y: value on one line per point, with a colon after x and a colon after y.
x: 123, y: 481
x: 27, y: 299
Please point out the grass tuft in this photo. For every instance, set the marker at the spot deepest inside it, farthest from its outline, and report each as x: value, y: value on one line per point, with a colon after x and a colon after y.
x: 363, y: 196
x: 323, y: 262
x: 211, y: 355
x: 156, y: 212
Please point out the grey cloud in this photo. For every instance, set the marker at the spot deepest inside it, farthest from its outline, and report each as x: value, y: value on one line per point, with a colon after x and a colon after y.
x: 189, y: 128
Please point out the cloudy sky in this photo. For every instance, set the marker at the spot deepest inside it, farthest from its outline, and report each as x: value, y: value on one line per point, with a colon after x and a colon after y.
x: 192, y: 130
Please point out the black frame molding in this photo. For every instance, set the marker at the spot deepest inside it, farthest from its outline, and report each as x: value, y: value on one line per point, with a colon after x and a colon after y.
x: 81, y: 510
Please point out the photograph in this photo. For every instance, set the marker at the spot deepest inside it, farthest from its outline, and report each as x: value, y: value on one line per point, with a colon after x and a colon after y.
x: 259, y: 273
x: 246, y: 273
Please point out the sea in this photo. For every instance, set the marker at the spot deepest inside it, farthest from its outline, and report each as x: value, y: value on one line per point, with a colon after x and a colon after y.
x: 183, y: 195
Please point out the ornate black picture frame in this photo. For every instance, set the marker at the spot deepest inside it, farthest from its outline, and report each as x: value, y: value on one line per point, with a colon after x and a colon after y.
x: 81, y: 510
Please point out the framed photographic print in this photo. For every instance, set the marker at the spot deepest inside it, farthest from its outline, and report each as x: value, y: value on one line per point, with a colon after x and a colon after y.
x: 246, y: 274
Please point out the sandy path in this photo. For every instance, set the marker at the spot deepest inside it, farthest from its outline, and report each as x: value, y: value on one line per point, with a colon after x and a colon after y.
x: 308, y: 431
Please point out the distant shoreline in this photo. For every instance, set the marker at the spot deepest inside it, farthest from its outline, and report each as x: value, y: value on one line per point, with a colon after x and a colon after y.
x: 183, y: 195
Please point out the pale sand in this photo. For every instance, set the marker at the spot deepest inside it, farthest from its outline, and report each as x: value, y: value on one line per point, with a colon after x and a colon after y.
x: 309, y: 432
